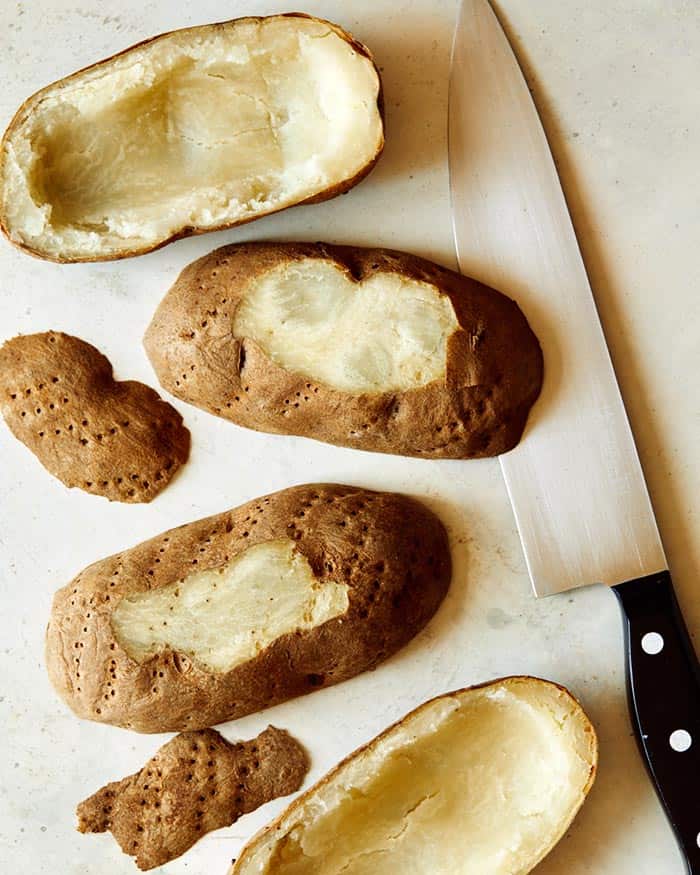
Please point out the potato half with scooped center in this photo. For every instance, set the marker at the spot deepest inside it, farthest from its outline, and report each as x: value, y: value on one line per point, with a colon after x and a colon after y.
x: 191, y: 131
x: 483, y: 781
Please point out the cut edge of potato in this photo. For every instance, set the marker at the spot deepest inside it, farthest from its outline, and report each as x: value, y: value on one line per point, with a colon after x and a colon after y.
x: 385, y: 333
x: 70, y: 190
x: 270, y: 589
x: 526, y: 754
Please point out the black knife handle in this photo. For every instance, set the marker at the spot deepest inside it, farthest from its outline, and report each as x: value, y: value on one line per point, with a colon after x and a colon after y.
x: 663, y: 682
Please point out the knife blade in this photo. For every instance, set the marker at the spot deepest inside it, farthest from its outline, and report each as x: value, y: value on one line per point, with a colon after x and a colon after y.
x: 575, y: 482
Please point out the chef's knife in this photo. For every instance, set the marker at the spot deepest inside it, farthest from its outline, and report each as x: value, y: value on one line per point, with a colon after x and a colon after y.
x: 575, y: 481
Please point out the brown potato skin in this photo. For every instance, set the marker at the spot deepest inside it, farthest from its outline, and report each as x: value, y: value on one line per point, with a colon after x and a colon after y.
x: 116, y: 439
x: 238, y: 864
x: 333, y: 191
x: 494, y: 361
x: 389, y: 549
x: 203, y: 782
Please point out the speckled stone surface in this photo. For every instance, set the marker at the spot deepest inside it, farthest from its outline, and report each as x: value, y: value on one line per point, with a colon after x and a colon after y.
x: 618, y: 86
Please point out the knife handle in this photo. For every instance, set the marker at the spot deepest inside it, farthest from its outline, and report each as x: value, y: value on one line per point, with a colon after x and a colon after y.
x: 663, y: 683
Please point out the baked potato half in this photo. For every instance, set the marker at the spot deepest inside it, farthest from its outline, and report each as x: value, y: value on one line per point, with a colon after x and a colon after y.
x: 191, y: 131
x: 234, y: 613
x: 484, y: 780
x: 366, y: 348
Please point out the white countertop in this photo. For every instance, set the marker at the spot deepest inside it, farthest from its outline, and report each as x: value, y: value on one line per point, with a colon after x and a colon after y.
x: 618, y: 85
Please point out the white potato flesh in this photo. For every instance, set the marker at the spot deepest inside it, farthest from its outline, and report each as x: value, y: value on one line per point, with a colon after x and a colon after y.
x: 482, y: 782
x: 199, y: 128
x: 383, y: 334
x: 225, y: 616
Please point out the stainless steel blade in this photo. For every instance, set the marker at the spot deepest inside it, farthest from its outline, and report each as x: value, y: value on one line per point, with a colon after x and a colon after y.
x: 575, y: 481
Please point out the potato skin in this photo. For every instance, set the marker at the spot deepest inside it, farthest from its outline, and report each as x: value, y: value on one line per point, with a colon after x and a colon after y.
x: 494, y: 361
x: 204, y: 783
x: 332, y: 191
x: 389, y: 549
x: 113, y: 438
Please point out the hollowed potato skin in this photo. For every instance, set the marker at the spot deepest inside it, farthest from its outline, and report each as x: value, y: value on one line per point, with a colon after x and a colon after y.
x: 494, y: 364
x: 389, y: 549
x: 588, y: 752
x: 332, y: 191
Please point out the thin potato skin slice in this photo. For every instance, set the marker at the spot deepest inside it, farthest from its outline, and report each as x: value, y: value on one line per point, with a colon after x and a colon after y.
x: 285, y: 824
x: 116, y: 439
x: 332, y: 191
x: 494, y: 364
x: 390, y: 551
x: 195, y: 783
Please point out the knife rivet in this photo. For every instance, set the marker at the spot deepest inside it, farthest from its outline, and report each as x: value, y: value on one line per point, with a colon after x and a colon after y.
x: 652, y: 643
x: 680, y: 740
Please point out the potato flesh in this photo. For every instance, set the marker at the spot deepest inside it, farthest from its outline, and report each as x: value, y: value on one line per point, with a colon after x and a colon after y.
x: 383, y: 334
x: 200, y: 128
x: 482, y: 784
x: 224, y: 616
